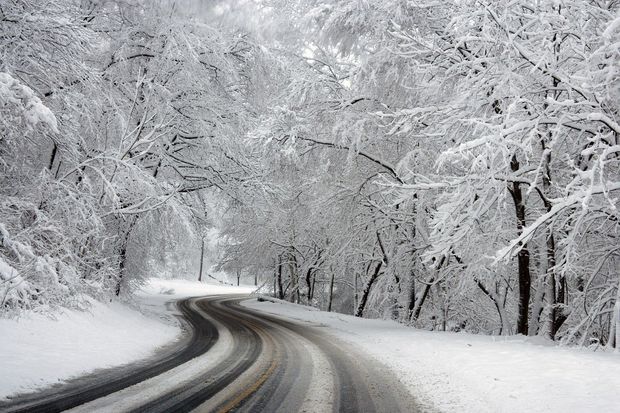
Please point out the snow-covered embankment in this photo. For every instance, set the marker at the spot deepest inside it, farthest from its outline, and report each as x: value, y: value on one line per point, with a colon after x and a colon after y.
x: 36, y: 351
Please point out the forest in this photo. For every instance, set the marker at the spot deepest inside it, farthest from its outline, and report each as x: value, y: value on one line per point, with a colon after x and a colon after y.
x: 453, y: 165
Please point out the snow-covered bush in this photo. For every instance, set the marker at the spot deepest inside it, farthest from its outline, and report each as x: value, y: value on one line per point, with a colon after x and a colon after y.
x: 49, y: 252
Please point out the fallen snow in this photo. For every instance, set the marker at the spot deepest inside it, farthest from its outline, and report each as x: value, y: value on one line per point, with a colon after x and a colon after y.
x: 469, y: 373
x: 36, y: 351
x: 444, y: 371
x: 176, y: 289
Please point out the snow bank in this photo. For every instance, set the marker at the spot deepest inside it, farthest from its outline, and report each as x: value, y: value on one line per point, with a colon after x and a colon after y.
x: 184, y: 288
x: 468, y: 373
x: 36, y: 351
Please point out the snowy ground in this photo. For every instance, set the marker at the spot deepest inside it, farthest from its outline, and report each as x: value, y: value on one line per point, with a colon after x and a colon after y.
x: 467, y: 373
x: 445, y: 371
x: 38, y: 351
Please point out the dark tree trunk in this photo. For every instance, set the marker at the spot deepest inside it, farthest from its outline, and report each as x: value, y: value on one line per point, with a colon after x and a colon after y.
x: 421, y: 299
x: 122, y: 255
x: 412, y: 294
x: 121, y: 269
x: 331, y: 290
x: 311, y: 276
x: 419, y: 302
x: 551, y: 282
x: 370, y: 281
x: 294, y: 276
x: 308, y: 285
x: 355, y: 295
x: 52, y: 156
x: 556, y: 290
x: 359, y: 312
x: 202, y: 253
x: 313, y: 284
x: 523, y: 257
x: 279, y: 278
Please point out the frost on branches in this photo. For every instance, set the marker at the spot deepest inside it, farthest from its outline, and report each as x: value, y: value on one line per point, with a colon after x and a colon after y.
x: 453, y: 165
x: 116, y: 120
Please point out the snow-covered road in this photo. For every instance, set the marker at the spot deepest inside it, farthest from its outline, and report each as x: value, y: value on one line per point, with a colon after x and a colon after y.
x: 242, y: 360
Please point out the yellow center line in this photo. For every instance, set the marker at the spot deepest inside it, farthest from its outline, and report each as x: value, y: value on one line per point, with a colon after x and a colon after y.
x: 263, y: 377
x: 248, y: 391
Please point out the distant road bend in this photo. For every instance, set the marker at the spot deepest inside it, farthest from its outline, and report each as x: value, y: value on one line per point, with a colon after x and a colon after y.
x: 235, y: 359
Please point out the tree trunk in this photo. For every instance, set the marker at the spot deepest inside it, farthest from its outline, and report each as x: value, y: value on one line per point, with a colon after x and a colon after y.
x: 279, y: 278
x: 501, y: 312
x: 292, y: 265
x: 122, y: 254
x: 355, y: 298
x: 52, y: 156
x: 308, y: 286
x: 412, y: 293
x: 396, y: 292
x: 557, y: 313
x: 417, y: 309
x: 313, y: 284
x: 555, y: 290
x: 202, y: 254
x: 614, y: 328
x: 537, y: 308
x: 523, y: 257
x: 359, y: 312
x: 121, y: 269
x: 331, y: 290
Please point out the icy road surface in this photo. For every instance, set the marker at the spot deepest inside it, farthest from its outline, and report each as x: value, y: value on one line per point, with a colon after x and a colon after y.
x: 235, y: 359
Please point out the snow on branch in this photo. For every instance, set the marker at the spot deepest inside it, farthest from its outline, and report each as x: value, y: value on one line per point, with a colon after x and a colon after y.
x: 582, y: 196
x: 24, y: 101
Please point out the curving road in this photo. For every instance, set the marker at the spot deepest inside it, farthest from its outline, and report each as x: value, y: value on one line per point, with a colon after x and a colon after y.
x: 235, y: 359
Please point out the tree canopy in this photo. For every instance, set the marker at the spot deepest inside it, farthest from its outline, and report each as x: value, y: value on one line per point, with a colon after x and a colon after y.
x: 451, y: 165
